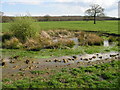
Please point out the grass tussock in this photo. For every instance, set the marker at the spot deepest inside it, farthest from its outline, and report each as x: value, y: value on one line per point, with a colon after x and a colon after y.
x: 13, y: 43
x: 60, y: 33
x: 63, y: 43
x: 94, y: 39
x: 89, y: 39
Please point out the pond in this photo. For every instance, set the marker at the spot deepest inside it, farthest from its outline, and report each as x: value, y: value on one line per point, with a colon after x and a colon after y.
x: 106, y: 43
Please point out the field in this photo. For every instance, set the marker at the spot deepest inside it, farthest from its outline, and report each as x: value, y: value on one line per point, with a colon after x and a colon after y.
x: 59, y: 65
x: 101, y: 26
x: 96, y: 76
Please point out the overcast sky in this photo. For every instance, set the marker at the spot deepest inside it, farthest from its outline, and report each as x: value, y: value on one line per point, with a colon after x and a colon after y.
x: 56, y: 7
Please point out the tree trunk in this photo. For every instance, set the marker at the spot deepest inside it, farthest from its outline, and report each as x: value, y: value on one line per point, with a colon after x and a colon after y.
x: 94, y: 19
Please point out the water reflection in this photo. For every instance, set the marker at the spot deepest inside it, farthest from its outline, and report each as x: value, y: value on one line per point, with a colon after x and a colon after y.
x: 75, y: 41
x: 106, y: 43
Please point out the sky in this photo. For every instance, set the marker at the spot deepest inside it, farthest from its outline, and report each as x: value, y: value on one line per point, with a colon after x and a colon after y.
x: 56, y: 7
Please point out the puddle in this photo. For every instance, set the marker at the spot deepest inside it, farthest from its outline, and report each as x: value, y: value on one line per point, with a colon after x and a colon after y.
x: 106, y: 43
x: 75, y: 41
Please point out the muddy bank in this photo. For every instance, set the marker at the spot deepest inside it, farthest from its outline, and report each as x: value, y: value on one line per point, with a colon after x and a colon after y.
x: 12, y: 67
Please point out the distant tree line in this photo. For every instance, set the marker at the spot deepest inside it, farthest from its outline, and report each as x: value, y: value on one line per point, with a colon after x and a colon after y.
x: 6, y: 19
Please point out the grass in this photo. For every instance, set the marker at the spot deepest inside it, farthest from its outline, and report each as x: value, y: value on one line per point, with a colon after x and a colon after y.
x: 38, y: 72
x: 102, y: 26
x: 46, y: 53
x: 96, y: 76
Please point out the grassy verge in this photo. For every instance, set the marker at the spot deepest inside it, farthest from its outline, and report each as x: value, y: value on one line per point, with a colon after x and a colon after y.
x: 102, y: 26
x: 46, y: 53
x: 96, y: 76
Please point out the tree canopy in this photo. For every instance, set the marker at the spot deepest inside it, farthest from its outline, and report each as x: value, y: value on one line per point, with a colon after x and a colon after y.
x: 95, y: 10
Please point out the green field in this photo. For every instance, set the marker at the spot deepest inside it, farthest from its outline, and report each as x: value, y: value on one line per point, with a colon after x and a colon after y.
x: 96, y: 76
x: 102, y: 26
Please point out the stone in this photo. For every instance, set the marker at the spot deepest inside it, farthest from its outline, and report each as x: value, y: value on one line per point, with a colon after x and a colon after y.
x: 75, y: 57
x: 112, y: 55
x: 22, y: 69
x: 81, y: 59
x: 38, y: 62
x: 100, y: 57
x: 56, y: 60
x: 69, y: 58
x: 86, y: 59
x: 15, y: 57
x: 94, y: 57
x: 31, y: 67
x: 12, y: 61
x: 97, y: 54
x: 3, y: 63
x: 65, y: 61
x: 33, y: 61
x: 15, y: 67
x: 90, y: 58
x: 27, y: 61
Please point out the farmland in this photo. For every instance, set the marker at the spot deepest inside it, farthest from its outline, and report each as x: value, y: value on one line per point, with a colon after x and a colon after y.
x: 101, y: 26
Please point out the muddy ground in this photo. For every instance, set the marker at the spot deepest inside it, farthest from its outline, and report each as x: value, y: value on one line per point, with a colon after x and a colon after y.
x: 12, y: 67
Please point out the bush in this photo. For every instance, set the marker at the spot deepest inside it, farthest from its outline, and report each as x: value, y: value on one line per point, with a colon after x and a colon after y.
x: 13, y: 43
x: 23, y: 28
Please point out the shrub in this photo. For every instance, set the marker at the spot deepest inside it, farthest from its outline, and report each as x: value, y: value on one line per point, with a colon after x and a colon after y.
x: 13, y: 43
x: 23, y: 28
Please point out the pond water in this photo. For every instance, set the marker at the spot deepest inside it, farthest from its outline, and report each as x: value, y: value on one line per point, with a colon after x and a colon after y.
x: 75, y: 41
x: 106, y: 43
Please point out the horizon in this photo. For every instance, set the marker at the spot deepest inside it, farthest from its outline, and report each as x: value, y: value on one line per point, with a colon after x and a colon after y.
x: 56, y: 7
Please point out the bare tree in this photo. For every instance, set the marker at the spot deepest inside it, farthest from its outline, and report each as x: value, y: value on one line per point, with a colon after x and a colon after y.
x: 95, y: 10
